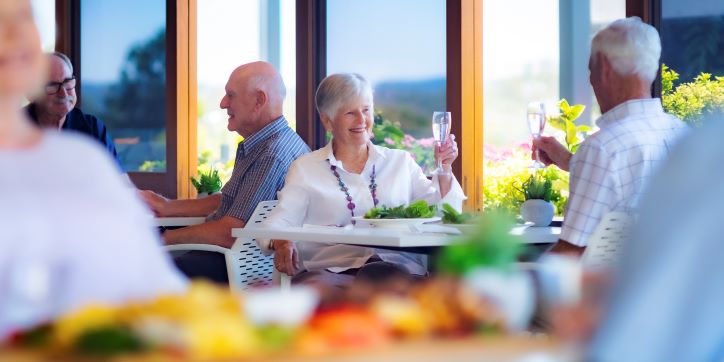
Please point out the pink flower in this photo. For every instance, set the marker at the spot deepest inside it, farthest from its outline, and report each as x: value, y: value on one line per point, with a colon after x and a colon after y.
x: 426, y: 142
x: 525, y: 146
x: 389, y: 141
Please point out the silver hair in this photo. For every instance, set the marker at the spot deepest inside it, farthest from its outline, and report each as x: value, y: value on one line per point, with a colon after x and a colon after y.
x: 631, y: 46
x: 64, y: 58
x: 335, y: 89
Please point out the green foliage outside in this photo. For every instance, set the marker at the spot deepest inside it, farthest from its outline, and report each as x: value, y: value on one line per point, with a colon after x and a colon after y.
x: 389, y: 134
x: 692, y: 102
x: 506, y: 169
x: 565, y: 122
x: 153, y: 166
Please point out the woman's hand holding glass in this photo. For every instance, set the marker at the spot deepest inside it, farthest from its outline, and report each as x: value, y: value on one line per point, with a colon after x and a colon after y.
x: 446, y: 153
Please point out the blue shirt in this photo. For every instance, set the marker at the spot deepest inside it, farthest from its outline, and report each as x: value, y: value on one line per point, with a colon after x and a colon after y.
x: 80, y: 122
x: 667, y: 303
x: 261, y: 164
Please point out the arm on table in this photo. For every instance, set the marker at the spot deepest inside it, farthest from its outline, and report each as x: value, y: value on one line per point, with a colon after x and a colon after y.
x: 164, y: 207
x: 566, y: 248
x: 217, y: 232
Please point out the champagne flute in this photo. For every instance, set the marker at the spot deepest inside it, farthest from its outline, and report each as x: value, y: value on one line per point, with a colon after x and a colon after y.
x: 536, y: 124
x: 440, y: 131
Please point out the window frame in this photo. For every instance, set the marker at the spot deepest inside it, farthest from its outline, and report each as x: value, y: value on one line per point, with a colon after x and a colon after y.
x: 180, y: 99
x: 464, y: 90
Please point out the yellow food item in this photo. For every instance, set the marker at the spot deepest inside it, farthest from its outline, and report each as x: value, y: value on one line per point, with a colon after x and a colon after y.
x: 71, y: 326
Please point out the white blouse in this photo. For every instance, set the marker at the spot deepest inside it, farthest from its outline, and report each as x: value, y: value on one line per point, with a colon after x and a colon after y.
x: 312, y: 195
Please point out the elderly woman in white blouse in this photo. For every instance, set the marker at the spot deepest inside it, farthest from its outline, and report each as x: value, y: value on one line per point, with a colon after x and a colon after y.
x: 347, y: 177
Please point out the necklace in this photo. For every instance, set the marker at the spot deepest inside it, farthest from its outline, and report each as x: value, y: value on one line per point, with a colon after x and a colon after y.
x: 345, y: 189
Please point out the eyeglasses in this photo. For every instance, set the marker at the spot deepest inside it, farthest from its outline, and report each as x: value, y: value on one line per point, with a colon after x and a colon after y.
x: 54, y: 87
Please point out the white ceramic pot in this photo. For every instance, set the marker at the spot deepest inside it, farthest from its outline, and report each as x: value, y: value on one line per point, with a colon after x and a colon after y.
x: 539, y: 212
x: 201, y: 195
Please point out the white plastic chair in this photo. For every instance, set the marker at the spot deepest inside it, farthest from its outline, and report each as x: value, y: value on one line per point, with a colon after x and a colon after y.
x: 246, y: 266
x: 606, y: 241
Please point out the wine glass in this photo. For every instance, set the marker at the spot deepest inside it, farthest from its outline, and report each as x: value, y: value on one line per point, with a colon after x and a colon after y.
x: 536, y: 124
x: 440, y: 131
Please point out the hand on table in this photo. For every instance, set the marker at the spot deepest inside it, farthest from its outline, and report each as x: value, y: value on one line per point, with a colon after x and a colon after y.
x: 155, y: 202
x: 551, y: 152
x: 286, y: 257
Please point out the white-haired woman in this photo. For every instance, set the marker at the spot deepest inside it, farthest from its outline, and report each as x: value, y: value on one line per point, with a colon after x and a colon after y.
x: 71, y: 231
x: 346, y: 178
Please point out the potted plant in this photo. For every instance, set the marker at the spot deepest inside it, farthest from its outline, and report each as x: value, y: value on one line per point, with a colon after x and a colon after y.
x: 208, y: 182
x: 537, y: 207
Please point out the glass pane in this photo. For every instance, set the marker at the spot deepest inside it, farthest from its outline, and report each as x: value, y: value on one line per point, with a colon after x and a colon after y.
x: 45, y: 18
x: 692, y: 36
x: 533, y: 52
x: 520, y: 65
x: 403, y: 59
x: 123, y: 55
x: 267, y: 32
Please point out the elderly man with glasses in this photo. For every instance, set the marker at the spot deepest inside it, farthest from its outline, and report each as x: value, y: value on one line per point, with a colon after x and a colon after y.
x: 55, y: 108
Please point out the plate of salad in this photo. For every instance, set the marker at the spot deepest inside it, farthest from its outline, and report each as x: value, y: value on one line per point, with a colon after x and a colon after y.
x: 401, y: 216
x: 464, y: 222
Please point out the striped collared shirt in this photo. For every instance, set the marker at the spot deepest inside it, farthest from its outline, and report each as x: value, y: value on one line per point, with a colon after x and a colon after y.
x: 261, y: 164
x: 613, y: 166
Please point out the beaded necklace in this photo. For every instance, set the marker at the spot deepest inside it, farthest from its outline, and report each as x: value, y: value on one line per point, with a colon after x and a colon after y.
x: 345, y: 189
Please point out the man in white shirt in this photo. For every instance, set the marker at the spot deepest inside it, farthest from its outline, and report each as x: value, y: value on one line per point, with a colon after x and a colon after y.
x: 612, y: 167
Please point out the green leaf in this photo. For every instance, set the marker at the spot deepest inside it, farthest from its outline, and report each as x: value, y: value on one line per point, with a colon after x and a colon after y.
x: 490, y: 245
x: 575, y: 112
x: 108, y: 341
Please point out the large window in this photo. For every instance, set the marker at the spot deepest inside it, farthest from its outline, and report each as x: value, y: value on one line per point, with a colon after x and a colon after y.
x: 45, y: 18
x: 399, y: 46
x: 537, y: 50
x: 231, y: 33
x: 692, y: 36
x: 123, y: 78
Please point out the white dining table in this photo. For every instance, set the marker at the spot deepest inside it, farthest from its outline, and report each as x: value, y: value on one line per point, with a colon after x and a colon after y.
x: 381, y: 237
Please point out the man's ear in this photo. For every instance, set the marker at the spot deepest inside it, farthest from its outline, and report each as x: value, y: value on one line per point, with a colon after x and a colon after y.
x: 261, y: 99
x: 605, y: 67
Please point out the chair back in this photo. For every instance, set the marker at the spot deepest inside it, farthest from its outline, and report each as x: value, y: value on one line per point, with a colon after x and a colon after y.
x: 606, y: 242
x: 246, y: 264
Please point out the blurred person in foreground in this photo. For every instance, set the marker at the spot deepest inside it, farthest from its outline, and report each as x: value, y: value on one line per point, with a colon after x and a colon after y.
x: 613, y: 166
x: 254, y: 101
x: 55, y: 107
x: 346, y: 178
x: 666, y: 296
x: 68, y: 237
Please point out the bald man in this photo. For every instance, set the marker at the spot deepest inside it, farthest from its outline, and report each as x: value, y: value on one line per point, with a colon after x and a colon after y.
x: 55, y: 108
x: 254, y: 96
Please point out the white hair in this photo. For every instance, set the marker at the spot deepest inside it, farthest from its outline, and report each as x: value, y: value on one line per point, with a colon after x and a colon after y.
x: 631, y: 46
x: 335, y: 89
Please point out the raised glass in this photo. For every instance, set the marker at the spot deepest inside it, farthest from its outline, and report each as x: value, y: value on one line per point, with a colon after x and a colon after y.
x: 441, y: 122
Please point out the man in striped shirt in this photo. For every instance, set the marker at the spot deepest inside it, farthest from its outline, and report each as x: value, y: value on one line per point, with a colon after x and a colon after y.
x: 613, y: 166
x: 254, y: 96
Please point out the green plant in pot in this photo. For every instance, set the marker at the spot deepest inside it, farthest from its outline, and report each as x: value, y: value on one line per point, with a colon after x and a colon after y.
x: 207, y: 183
x: 537, y: 207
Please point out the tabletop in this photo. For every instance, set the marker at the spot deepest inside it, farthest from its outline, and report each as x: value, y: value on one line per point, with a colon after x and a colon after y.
x: 378, y: 237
